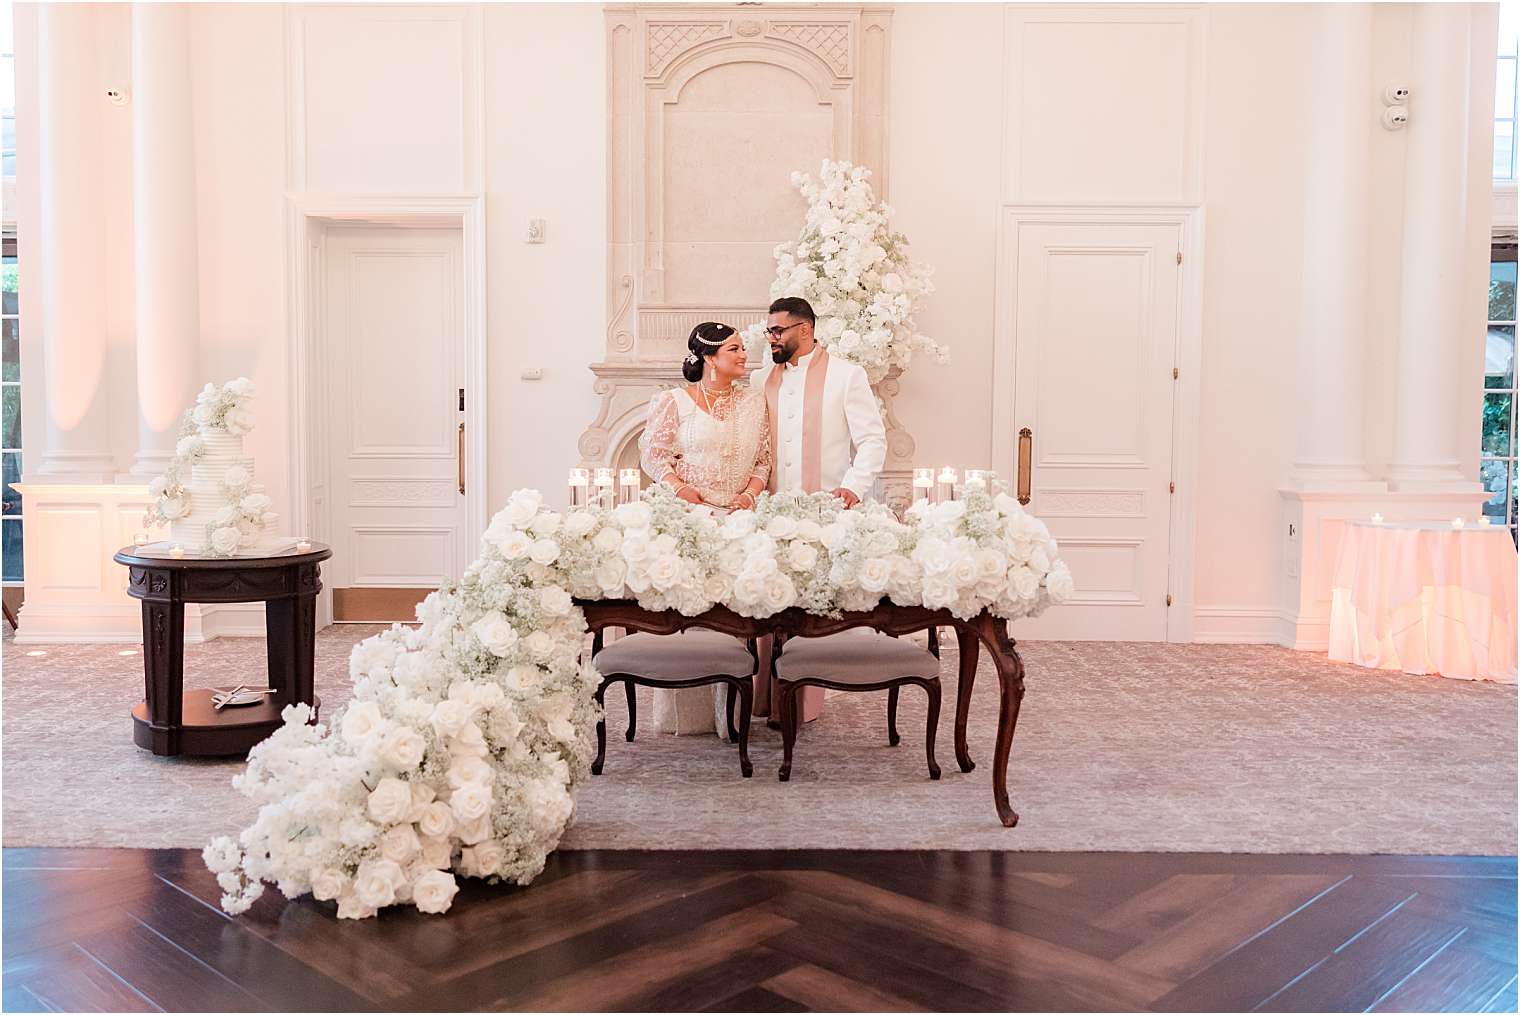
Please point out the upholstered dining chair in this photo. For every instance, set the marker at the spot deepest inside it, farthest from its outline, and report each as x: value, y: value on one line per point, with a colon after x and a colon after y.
x: 859, y: 659
x: 691, y: 658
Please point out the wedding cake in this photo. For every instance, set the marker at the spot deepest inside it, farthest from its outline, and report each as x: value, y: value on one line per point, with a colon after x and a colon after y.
x: 208, y: 497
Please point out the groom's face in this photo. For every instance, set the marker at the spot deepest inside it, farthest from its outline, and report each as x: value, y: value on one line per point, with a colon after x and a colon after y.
x: 787, y: 334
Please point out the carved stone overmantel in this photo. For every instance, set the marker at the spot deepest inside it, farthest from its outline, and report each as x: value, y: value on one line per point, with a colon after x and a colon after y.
x: 710, y: 109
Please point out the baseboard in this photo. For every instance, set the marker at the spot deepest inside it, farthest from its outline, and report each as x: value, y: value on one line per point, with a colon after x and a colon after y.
x: 53, y: 624
x: 1236, y: 625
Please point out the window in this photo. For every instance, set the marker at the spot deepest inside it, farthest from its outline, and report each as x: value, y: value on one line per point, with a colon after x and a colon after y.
x: 1505, y: 90
x: 1498, y: 469
x: 10, y: 418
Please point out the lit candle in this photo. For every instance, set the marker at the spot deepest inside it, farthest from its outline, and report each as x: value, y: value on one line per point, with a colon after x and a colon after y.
x: 946, y: 487
x: 141, y: 539
x: 923, y: 484
x: 1483, y: 520
x: 176, y: 551
x: 303, y: 544
x: 976, y: 477
x: 1457, y: 523
x: 580, y: 483
x: 628, y: 486
x: 1377, y: 519
x: 604, y: 488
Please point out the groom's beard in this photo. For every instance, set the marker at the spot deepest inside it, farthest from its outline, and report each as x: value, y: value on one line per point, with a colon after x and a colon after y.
x: 781, y: 354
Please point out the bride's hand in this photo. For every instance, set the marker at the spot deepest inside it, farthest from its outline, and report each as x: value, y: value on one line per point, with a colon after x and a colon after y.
x: 743, y: 502
x: 689, y: 494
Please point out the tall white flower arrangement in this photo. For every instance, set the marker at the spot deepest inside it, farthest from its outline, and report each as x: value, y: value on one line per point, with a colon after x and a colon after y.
x: 854, y: 269
x: 467, y: 736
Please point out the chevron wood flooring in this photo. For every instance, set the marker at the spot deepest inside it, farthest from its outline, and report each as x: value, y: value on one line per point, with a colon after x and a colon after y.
x: 139, y: 930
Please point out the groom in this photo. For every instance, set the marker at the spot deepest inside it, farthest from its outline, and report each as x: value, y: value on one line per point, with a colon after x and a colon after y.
x: 826, y: 429
x: 826, y: 434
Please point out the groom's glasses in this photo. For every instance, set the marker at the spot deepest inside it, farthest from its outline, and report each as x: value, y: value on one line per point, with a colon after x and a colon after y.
x: 778, y: 331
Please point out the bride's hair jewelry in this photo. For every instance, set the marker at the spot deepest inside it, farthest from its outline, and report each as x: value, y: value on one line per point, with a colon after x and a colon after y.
x: 703, y: 341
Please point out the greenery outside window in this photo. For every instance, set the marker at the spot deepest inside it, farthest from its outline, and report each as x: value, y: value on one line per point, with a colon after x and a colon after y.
x: 1498, y: 465
x: 10, y: 417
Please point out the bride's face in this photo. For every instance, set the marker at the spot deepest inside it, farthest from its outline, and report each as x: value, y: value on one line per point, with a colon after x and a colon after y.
x: 729, y: 362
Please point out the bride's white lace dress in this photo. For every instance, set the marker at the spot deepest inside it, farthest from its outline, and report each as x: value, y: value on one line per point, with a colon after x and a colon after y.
x: 718, y: 453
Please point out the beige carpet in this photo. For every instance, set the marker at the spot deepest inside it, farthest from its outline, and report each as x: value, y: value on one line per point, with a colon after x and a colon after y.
x: 1122, y: 746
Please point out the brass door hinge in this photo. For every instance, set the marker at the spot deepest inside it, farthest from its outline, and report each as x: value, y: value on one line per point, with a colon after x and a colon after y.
x: 1179, y: 257
x: 1171, y: 488
x: 1175, y: 373
x: 1168, y: 599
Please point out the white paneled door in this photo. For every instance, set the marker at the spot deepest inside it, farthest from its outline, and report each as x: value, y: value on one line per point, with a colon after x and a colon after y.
x: 392, y: 331
x: 1096, y: 324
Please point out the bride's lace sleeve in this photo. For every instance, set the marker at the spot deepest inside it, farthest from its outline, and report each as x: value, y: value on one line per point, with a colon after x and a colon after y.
x: 763, y: 463
x: 657, y: 445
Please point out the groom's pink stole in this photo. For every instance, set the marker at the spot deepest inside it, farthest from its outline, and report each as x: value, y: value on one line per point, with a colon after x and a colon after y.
x: 812, y: 420
x: 810, y: 699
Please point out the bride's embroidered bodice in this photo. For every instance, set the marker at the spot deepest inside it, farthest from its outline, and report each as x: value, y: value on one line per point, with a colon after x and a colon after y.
x: 717, y: 453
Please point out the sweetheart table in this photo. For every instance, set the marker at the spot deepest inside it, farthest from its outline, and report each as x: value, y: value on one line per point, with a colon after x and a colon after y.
x: 982, y: 629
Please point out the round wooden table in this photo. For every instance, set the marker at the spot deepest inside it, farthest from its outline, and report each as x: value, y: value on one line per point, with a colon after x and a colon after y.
x: 172, y: 721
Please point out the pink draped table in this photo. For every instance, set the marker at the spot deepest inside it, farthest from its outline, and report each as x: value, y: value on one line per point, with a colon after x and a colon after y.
x: 1426, y: 598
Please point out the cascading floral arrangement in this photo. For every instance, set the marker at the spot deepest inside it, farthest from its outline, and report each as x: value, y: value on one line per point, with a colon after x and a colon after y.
x: 467, y: 736
x: 217, y: 410
x: 855, y: 271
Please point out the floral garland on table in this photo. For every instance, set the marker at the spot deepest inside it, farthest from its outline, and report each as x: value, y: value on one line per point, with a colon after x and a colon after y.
x: 855, y: 271
x: 216, y: 410
x: 467, y: 736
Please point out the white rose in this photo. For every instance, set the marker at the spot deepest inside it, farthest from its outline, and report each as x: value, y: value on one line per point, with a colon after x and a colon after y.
x: 436, y: 820
x: 470, y: 832
x: 522, y: 507
x: 892, y: 282
x: 377, y: 882
x: 514, y: 545
x: 779, y: 593
x: 610, y: 574
x: 543, y: 551
x: 433, y: 892
x: 238, y: 421
x: 579, y: 523
x: 469, y: 742
x: 239, y: 387
x: 482, y: 859
x: 540, y: 645
x: 449, y: 716
x: 523, y: 678
x: 637, y: 515
x: 1058, y: 583
x: 157, y: 488
x: 467, y: 770
x: 495, y: 632
x: 255, y: 504
x: 738, y: 524
x: 351, y: 908
x: 422, y: 795
x: 361, y: 721
x: 938, y: 591
x: 402, y: 748
x: 201, y: 414
x: 228, y: 515
x: 933, y: 555
x: 849, y: 342
x: 875, y: 575
x: 471, y: 802
x: 438, y: 852
x: 664, y: 571
x: 809, y: 530
x: 390, y: 801
x: 174, y: 507
x: 802, y: 556
x: 781, y: 527
x: 225, y: 540
x: 327, y: 884
x: 608, y: 540
x: 554, y: 601
x: 400, y: 843
x: 189, y: 447
x: 546, y: 524
x: 1023, y: 582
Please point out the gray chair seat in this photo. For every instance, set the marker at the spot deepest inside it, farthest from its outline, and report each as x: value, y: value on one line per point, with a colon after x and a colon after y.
x: 685, y: 656
x: 856, y: 656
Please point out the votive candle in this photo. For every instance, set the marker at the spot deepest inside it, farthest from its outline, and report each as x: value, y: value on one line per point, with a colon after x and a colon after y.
x: 946, y: 486
x: 176, y: 551
x: 923, y: 484
x: 604, y: 488
x: 1484, y: 520
x: 976, y: 477
x: 1377, y: 519
x: 628, y: 486
x: 1457, y: 523
x: 580, y: 483
x: 303, y: 544
x: 141, y: 539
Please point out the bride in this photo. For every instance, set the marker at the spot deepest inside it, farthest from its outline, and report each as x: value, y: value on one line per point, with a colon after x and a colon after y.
x: 709, y: 441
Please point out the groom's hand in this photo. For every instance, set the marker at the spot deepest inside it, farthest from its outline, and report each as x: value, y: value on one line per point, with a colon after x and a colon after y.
x: 847, y: 495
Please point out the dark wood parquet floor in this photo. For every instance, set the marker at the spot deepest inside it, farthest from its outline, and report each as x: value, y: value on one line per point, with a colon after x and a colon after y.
x: 131, y: 930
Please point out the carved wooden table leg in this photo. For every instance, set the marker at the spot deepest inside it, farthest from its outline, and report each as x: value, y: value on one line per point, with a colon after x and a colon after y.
x: 969, y: 648
x: 1010, y: 669
x: 290, y: 626
x: 164, y: 672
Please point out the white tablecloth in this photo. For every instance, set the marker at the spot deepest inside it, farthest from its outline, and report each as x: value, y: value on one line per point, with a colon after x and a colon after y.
x: 1426, y: 598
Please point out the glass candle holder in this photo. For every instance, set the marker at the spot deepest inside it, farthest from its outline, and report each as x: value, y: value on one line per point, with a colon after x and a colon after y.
x: 976, y: 479
x: 1377, y: 519
x: 176, y: 551
x: 605, y: 492
x: 944, y: 488
x: 141, y: 539
x: 1458, y: 523
x: 580, y: 487
x: 628, y: 486
x: 923, y: 484
x: 303, y: 544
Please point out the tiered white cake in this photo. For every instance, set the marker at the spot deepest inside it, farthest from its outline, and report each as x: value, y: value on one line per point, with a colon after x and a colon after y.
x: 209, y: 503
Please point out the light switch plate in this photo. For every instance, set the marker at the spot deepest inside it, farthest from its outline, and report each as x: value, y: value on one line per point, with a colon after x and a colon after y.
x: 538, y: 230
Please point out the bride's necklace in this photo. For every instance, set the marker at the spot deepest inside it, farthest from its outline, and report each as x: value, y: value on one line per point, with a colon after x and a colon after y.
x: 708, y: 397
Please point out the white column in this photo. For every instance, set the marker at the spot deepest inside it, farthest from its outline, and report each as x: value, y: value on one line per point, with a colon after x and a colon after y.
x: 164, y: 229
x: 1426, y: 452
x: 73, y: 267
x: 1332, y: 336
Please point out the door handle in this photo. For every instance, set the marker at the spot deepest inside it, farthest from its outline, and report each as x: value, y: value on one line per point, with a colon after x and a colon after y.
x: 1026, y: 449
x: 461, y: 458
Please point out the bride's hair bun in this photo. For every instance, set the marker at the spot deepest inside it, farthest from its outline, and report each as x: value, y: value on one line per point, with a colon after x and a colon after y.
x: 705, y: 340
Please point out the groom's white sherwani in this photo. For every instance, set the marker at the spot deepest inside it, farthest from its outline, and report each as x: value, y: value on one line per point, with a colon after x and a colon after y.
x: 851, y: 440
